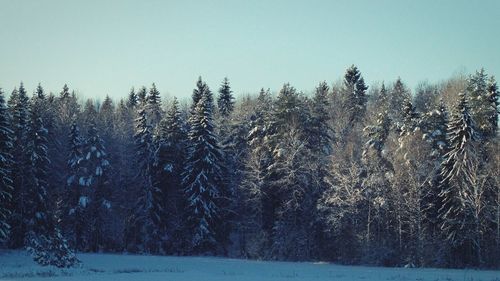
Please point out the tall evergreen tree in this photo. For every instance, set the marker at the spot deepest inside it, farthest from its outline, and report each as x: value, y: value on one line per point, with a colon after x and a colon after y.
x: 225, y: 101
x: 19, y: 110
x: 147, y: 212
x: 169, y: 160
x: 5, y: 168
x: 355, y: 89
x: 95, y: 166
x: 132, y: 99
x: 202, y: 175
x: 74, y: 215
x: 153, y: 107
x: 458, y: 224
x: 142, y: 96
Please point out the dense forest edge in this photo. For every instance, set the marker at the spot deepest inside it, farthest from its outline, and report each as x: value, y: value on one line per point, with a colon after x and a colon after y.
x: 349, y: 173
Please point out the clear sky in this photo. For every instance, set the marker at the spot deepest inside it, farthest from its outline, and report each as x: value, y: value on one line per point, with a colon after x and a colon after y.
x: 106, y: 47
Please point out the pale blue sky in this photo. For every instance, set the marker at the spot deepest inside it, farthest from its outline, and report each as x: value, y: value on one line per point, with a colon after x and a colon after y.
x: 106, y: 47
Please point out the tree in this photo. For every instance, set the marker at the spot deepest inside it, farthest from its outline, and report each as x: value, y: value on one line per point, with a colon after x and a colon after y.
x: 483, y: 100
x: 75, y: 212
x: 132, y: 99
x: 459, y: 226
x: 44, y: 239
x: 225, y: 101
x: 153, y: 107
x: 355, y: 90
x: 169, y: 160
x: 5, y: 168
x: 147, y: 212
x: 19, y: 110
x: 398, y: 95
x: 97, y: 198
x: 202, y: 175
x: 142, y: 96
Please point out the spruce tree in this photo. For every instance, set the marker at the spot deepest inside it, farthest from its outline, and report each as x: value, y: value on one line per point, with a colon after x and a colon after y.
x: 202, y: 175
x: 225, y: 101
x: 19, y: 110
x: 74, y: 215
x: 44, y: 239
x: 153, y: 107
x: 169, y: 160
x: 5, y: 168
x: 146, y: 212
x: 355, y: 91
x: 142, y: 96
x: 95, y: 167
x: 457, y: 222
x: 132, y: 99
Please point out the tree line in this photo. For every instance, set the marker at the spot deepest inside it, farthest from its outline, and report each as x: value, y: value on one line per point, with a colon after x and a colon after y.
x: 348, y: 173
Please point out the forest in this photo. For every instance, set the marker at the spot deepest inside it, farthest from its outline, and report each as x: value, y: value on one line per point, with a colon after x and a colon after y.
x: 348, y: 173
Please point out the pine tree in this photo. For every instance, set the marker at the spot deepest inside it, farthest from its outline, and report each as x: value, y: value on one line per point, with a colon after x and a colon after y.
x: 483, y: 108
x: 74, y: 214
x: 142, y: 96
x: 132, y: 99
x: 197, y: 94
x: 458, y: 225
x: 355, y: 89
x: 202, y: 176
x: 154, y: 106
x: 5, y: 168
x: 95, y: 166
x: 398, y: 95
x: 225, y: 101
x: 169, y: 160
x: 19, y: 110
x: 494, y: 102
x: 147, y: 212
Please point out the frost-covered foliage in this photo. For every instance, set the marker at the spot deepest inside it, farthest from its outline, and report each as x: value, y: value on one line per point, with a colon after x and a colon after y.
x: 342, y: 173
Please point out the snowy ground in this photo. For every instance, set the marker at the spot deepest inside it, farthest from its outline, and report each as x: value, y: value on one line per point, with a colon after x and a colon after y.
x: 16, y: 265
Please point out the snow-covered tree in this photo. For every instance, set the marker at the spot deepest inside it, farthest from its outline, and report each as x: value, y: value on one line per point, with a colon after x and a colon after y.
x: 169, y: 159
x: 355, y: 91
x: 132, y: 99
x: 225, y: 102
x: 74, y: 215
x: 202, y: 175
x: 19, y: 110
x: 397, y: 97
x: 483, y: 101
x: 148, y: 207
x: 459, y: 225
x: 153, y: 107
x: 5, y: 168
x: 97, y: 196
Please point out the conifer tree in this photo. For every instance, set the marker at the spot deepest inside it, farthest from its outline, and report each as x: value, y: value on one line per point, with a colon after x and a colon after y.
x: 95, y: 167
x: 169, y: 160
x: 75, y: 212
x: 458, y: 225
x: 5, y: 168
x: 147, y: 212
x: 132, y: 99
x: 142, y: 96
x: 202, y: 175
x: 19, y: 111
x: 225, y: 101
x: 398, y: 95
x: 153, y: 107
x: 355, y: 90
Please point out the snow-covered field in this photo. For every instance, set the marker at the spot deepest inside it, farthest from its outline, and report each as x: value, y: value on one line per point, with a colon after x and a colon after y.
x: 16, y: 265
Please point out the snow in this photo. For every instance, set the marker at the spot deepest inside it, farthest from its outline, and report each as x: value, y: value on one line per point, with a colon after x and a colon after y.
x: 17, y: 265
